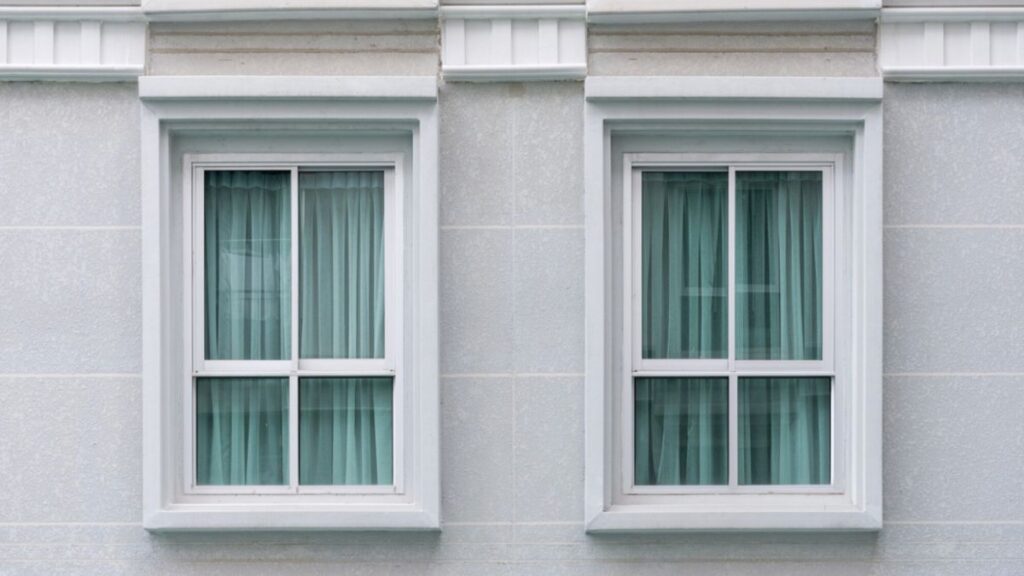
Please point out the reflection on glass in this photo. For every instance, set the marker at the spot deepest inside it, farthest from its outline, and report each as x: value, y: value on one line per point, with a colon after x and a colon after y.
x: 341, y: 264
x: 346, y: 431
x: 247, y: 265
x: 681, y: 431
x: 778, y: 265
x: 785, y: 430
x: 685, y: 264
x: 241, y: 431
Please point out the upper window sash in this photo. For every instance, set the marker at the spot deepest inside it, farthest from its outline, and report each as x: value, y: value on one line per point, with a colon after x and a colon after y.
x: 196, y: 167
x: 634, y: 166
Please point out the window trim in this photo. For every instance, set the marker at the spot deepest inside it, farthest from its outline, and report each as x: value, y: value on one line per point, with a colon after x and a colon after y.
x: 194, y: 168
x: 734, y: 109
x: 634, y: 365
x: 400, y: 117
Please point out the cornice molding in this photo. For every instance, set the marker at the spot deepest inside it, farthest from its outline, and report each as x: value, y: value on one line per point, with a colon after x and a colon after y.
x: 266, y: 88
x: 761, y: 88
x: 952, y: 44
x: 91, y: 44
x: 514, y: 43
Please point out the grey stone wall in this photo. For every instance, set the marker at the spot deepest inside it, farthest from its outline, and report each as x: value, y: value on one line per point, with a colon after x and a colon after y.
x: 512, y: 342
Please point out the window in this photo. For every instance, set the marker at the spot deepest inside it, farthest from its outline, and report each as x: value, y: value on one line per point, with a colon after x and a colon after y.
x: 295, y: 327
x: 290, y: 350
x: 733, y: 292
x: 730, y: 290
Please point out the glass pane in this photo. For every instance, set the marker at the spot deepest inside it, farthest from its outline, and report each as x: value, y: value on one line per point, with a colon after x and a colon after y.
x: 778, y: 265
x: 345, y: 431
x: 341, y: 264
x: 681, y: 431
x: 241, y: 431
x: 785, y: 430
x: 685, y: 264
x: 248, y: 265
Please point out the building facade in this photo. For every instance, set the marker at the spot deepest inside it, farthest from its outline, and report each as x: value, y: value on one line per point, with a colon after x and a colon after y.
x: 515, y: 149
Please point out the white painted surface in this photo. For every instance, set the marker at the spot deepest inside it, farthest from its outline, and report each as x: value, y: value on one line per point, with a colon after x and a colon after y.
x: 732, y: 88
x: 199, y: 10
x: 950, y: 44
x: 507, y: 43
x: 729, y: 113
x: 633, y: 11
x: 306, y: 113
x: 71, y: 43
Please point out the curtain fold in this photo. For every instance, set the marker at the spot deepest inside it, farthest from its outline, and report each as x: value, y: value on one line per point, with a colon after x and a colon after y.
x: 247, y: 265
x: 685, y: 264
x: 241, y: 431
x: 341, y: 264
x: 345, y: 431
x: 785, y: 430
x: 681, y: 428
x: 778, y: 265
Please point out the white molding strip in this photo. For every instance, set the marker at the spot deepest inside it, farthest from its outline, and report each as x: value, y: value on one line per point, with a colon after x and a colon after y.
x: 93, y: 44
x: 290, y: 88
x: 514, y: 43
x: 655, y: 11
x: 214, y: 10
x: 921, y: 45
x: 733, y: 88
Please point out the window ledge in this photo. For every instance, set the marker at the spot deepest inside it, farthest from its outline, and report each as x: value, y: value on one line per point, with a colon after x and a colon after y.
x: 206, y: 10
x: 282, y: 518
x: 653, y: 11
x: 667, y: 519
x: 289, y: 88
x: 733, y: 87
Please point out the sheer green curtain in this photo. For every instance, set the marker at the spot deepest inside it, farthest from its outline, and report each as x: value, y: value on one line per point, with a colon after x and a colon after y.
x: 341, y: 264
x: 241, y: 431
x: 242, y: 423
x: 778, y: 265
x: 685, y: 264
x: 681, y: 424
x: 345, y: 431
x: 681, y: 431
x: 785, y: 430
x: 247, y: 265
x: 345, y: 424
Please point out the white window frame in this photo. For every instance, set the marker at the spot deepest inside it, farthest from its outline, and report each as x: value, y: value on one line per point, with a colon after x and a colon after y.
x: 195, y: 167
x: 191, y: 123
x: 727, y: 121
x: 634, y: 165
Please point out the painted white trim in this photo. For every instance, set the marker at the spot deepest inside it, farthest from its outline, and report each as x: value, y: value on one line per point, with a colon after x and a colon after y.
x: 212, y: 10
x: 653, y: 11
x: 516, y: 73
x: 166, y: 506
x: 63, y: 13
x: 954, y: 14
x: 521, y: 11
x: 858, y: 371
x: 952, y: 44
x: 295, y: 368
x: 514, y: 43
x: 732, y: 87
x: 72, y: 44
x: 290, y: 88
x: 727, y: 368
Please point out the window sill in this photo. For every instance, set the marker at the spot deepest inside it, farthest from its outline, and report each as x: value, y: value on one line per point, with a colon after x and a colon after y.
x: 206, y: 518
x: 646, y: 518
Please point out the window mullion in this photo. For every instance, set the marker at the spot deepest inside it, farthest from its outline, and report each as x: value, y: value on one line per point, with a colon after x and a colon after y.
x: 293, y: 380
x: 731, y: 296
x: 734, y: 419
